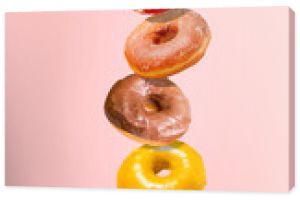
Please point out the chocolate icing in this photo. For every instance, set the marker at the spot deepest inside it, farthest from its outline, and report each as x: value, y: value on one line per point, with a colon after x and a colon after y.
x: 167, y: 16
x: 125, y: 107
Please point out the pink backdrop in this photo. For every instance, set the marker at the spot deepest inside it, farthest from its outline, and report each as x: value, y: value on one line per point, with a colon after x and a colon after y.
x: 60, y: 66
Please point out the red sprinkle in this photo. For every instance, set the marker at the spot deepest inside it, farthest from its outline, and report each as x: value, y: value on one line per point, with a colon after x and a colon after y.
x: 150, y: 11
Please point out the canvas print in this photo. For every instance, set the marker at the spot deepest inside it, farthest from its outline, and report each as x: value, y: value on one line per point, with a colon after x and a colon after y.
x: 170, y: 99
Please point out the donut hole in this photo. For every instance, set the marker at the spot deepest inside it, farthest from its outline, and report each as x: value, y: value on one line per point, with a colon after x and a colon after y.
x: 161, y: 168
x: 153, y: 104
x: 164, y: 34
x: 163, y: 173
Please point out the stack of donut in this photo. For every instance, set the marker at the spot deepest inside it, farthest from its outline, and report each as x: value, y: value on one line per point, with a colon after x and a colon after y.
x: 149, y: 108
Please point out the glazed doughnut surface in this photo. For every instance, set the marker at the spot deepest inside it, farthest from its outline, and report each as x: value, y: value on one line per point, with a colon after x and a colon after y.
x: 151, y: 111
x: 141, y: 168
x: 167, y: 43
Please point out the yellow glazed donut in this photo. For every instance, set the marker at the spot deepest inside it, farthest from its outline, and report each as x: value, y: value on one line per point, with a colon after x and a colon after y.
x: 141, y: 169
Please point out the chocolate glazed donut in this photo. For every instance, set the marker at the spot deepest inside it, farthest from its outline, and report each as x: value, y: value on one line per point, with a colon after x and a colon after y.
x: 151, y: 111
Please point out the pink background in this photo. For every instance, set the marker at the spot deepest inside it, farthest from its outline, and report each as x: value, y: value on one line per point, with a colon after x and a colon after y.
x: 60, y: 66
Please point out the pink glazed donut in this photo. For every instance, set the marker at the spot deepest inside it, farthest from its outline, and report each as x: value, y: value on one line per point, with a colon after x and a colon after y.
x: 167, y: 43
